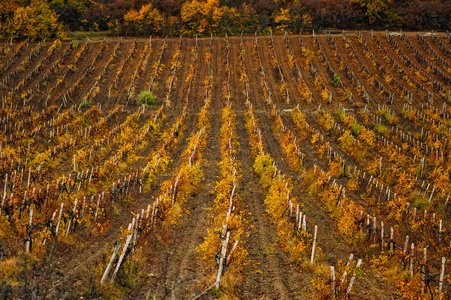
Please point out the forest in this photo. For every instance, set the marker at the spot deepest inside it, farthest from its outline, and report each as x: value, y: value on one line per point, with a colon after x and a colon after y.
x: 47, y: 19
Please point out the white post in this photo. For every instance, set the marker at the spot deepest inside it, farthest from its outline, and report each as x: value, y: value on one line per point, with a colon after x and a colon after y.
x: 229, y: 257
x: 6, y: 185
x: 110, y: 264
x: 432, y: 193
x: 97, y: 208
x: 423, y: 274
x: 28, y: 241
x: 442, y: 273
x: 29, y: 176
x: 70, y: 221
x: 343, y: 276
x: 332, y: 280
x: 304, y: 223
x: 314, y: 244
x: 221, y: 260
x: 124, y: 250
x: 59, y: 220
x: 391, y: 240
x: 148, y: 211
x: 53, y: 218
x: 359, y: 262
x: 406, y: 244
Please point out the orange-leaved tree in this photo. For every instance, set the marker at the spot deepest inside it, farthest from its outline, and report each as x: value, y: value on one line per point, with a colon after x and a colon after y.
x: 147, y: 21
x: 37, y: 21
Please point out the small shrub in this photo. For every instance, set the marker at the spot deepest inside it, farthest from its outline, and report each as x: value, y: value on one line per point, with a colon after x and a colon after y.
x: 355, y: 129
x: 128, y: 276
x: 86, y: 102
x: 147, y: 98
x: 336, y: 80
x: 217, y: 292
x: 381, y: 129
x: 115, y: 211
x: 74, y: 44
x: 420, y: 201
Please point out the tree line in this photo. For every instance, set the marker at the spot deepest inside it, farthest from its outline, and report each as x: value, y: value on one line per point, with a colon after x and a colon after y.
x: 40, y: 19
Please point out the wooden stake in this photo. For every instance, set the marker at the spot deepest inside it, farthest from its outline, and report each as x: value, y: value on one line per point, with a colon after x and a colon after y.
x: 97, y: 208
x: 6, y: 185
x: 221, y: 259
x: 391, y: 240
x: 124, y: 250
x: 423, y: 274
x: 229, y: 257
x: 110, y: 264
x: 343, y: 276
x: 53, y: 218
x: 411, y: 259
x: 28, y: 249
x: 70, y: 220
x: 29, y: 176
x: 432, y: 193
x: 442, y: 273
x: 314, y: 244
x: 332, y: 280
x: 59, y: 220
x: 359, y: 262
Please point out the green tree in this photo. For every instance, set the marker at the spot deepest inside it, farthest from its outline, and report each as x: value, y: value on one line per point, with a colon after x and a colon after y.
x: 80, y: 6
x: 73, y: 12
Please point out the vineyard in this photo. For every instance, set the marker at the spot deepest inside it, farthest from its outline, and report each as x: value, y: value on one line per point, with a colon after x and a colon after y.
x: 270, y: 167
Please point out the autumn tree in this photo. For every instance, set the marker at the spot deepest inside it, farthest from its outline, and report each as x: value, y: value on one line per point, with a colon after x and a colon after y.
x: 147, y: 21
x: 380, y: 13
x: 36, y: 21
x: 7, y: 8
x: 99, y: 17
x: 207, y: 17
x: 424, y: 15
x: 291, y: 19
x: 247, y: 21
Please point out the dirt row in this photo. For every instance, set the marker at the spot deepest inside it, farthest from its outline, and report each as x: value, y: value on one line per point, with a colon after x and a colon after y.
x: 145, y: 74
